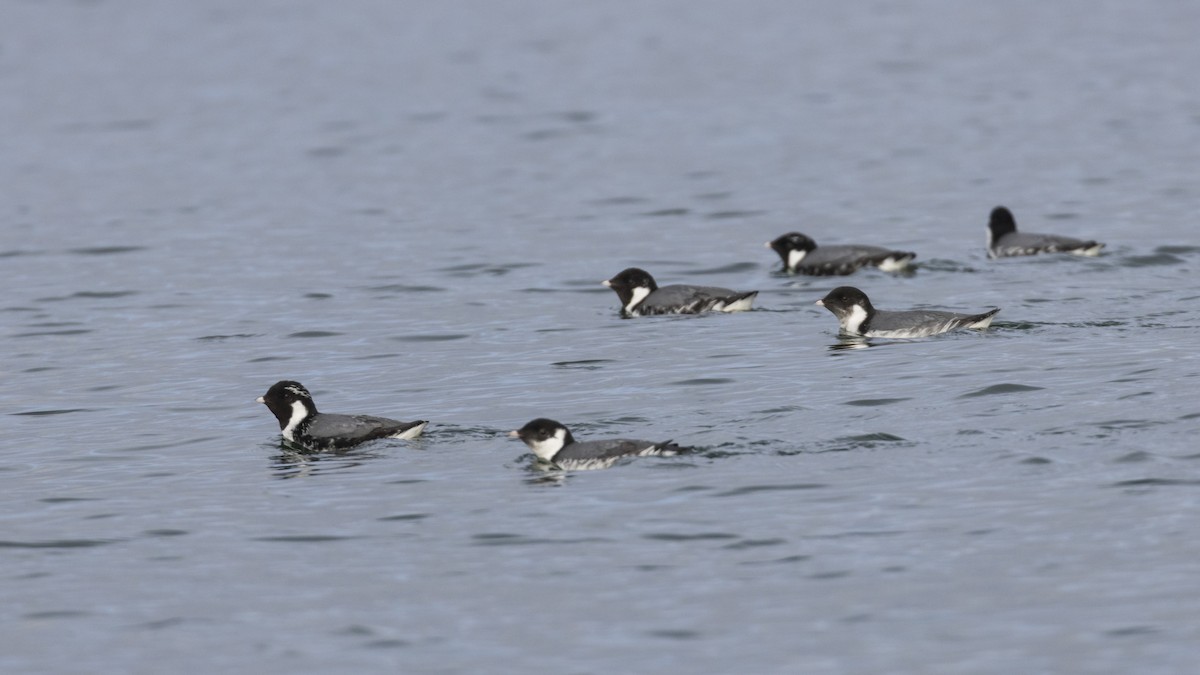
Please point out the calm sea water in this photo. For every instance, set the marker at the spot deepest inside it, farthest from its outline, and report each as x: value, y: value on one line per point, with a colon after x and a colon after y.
x: 409, y: 207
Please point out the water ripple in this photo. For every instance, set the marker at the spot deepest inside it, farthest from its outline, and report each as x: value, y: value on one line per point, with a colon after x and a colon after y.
x: 59, y: 543
x: 702, y: 536
x: 1006, y: 388
x: 232, y: 336
x: 582, y: 364
x: 850, y: 443
x: 754, y: 543
x: 432, y: 337
x: 1157, y: 482
x: 506, y: 539
x: 675, y: 634
x: 313, y: 334
x: 618, y: 201
x: 47, y: 333
x: 404, y: 288
x: 871, y: 402
x: 165, y: 532
x: 785, y: 560
x: 1154, y: 260
x: 477, y: 269
x: 106, y: 250
x: 726, y: 269
x: 89, y: 295
x: 751, y: 489
x: 56, y: 614
x: 723, y: 215
x: 306, y: 538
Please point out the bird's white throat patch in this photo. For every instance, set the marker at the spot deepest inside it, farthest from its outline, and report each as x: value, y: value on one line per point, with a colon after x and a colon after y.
x: 794, y: 258
x: 854, y: 320
x: 547, y: 449
x: 639, y: 294
x: 299, y: 413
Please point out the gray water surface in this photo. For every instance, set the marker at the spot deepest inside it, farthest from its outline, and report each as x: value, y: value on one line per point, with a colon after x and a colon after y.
x: 409, y: 207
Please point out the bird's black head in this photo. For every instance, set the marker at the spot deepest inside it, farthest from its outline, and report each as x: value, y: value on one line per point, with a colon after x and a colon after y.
x: 792, y: 241
x: 539, y: 429
x: 1001, y: 222
x: 545, y: 437
x: 841, y: 299
x: 280, y: 397
x: 632, y: 277
x: 851, y: 307
x: 632, y: 286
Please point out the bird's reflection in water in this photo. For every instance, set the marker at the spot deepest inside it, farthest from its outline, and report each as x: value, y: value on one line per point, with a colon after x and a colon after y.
x: 846, y: 342
x: 294, y: 462
x: 543, y: 473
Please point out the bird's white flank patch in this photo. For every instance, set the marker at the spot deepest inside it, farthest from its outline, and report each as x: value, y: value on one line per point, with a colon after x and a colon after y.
x: 411, y: 432
x: 983, y: 323
x: 894, y: 263
x: 740, y: 305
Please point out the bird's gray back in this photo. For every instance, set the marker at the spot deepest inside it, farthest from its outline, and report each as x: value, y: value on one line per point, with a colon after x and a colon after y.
x: 682, y: 294
x: 1033, y: 241
x: 848, y: 258
x: 615, y: 447
x: 921, y: 322
x: 831, y: 255
x: 356, y: 427
x: 682, y: 299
